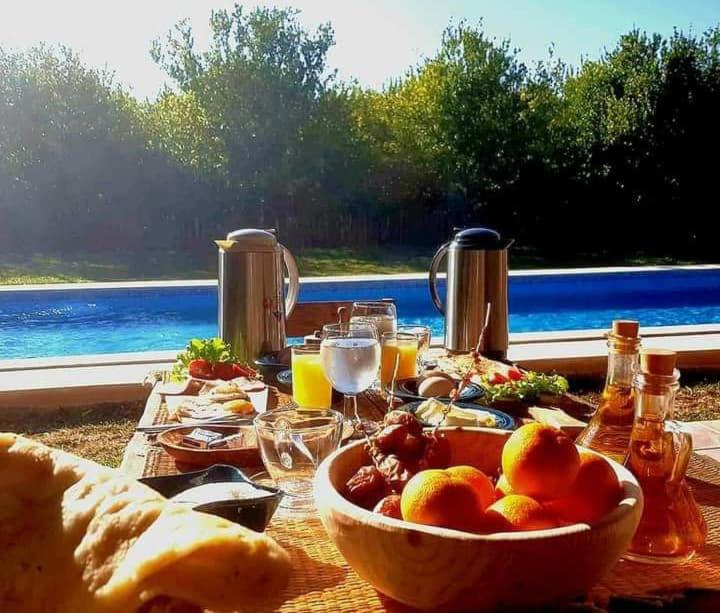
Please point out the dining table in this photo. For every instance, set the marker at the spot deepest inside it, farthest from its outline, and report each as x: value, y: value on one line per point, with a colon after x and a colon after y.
x: 322, y: 581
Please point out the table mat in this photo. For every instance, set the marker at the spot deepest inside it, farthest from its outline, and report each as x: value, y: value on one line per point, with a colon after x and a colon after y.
x: 322, y: 581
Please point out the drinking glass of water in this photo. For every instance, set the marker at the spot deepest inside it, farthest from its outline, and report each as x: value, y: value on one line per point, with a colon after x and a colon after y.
x: 350, y: 356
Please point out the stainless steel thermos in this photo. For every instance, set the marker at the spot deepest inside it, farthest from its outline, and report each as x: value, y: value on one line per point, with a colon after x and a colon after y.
x: 477, y: 274
x: 252, y: 306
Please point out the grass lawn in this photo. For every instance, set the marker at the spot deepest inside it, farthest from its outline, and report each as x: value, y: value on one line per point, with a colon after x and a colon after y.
x: 100, y: 433
x: 44, y: 268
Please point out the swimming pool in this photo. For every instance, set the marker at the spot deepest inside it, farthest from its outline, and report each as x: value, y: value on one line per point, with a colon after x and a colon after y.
x: 51, y: 322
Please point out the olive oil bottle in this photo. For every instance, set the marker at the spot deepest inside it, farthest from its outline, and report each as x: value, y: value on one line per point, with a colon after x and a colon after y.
x: 608, y: 431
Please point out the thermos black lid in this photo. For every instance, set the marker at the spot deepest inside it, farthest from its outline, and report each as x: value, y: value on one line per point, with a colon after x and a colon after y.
x: 480, y: 238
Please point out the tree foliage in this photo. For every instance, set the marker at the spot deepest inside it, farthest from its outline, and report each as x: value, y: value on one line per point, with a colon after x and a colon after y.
x: 614, y: 156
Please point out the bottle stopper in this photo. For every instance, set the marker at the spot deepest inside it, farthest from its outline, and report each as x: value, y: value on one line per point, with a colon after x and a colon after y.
x: 658, y: 362
x: 625, y: 327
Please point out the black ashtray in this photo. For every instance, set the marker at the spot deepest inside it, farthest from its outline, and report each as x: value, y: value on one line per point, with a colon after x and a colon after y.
x: 253, y: 513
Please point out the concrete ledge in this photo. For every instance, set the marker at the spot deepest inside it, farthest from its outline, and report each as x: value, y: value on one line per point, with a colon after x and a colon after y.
x: 75, y: 386
x: 697, y: 352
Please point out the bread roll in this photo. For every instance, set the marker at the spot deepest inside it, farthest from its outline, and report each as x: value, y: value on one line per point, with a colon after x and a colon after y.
x: 76, y: 536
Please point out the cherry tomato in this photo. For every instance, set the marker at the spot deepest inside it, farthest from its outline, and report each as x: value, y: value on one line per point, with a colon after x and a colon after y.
x: 497, y: 378
x: 514, y: 373
x: 200, y: 369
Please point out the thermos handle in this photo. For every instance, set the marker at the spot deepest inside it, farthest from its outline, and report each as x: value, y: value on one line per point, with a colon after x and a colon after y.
x: 294, y: 286
x: 432, y: 276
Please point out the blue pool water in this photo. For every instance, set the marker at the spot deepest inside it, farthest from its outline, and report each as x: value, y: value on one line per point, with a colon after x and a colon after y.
x: 40, y: 323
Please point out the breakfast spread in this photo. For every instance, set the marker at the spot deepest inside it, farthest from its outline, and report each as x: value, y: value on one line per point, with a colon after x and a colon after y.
x: 86, y: 538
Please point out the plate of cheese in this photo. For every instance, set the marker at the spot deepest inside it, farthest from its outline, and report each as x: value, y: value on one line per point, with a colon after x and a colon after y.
x: 430, y: 412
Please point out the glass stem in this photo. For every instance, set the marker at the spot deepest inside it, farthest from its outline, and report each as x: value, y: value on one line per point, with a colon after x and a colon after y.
x: 350, y: 408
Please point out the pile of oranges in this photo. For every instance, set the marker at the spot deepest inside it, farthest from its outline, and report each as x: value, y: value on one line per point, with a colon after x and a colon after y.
x: 545, y: 482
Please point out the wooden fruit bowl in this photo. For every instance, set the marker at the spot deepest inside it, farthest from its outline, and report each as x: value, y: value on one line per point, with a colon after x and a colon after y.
x: 437, y: 568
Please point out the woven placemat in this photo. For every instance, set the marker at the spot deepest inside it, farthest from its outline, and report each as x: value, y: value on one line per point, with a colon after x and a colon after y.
x: 323, y: 582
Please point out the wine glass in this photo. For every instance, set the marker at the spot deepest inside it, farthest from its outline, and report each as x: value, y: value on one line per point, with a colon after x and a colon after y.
x: 380, y: 313
x: 350, y: 357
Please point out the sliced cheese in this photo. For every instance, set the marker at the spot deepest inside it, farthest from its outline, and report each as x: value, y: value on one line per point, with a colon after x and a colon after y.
x: 431, y: 411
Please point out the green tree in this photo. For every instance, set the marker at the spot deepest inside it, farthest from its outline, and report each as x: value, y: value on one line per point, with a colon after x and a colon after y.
x: 260, y: 88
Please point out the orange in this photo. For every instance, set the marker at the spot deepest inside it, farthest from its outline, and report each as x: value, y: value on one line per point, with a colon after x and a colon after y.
x: 438, y: 498
x: 540, y: 461
x: 594, y: 493
x: 478, y: 479
x: 502, y: 487
x: 515, y: 512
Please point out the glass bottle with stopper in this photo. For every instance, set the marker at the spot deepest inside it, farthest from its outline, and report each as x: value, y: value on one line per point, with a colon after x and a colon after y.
x: 672, y: 527
x: 608, y: 431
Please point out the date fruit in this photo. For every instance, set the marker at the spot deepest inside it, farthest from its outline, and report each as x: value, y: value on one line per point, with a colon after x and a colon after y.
x: 437, y: 451
x: 366, y: 487
x: 389, y: 506
x: 414, y: 427
x: 396, y: 472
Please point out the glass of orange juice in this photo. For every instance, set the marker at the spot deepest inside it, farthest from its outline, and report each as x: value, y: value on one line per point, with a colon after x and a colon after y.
x: 400, y: 347
x: 311, y: 388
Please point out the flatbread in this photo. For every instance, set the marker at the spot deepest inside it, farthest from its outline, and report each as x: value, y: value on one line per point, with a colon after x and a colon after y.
x: 79, y: 537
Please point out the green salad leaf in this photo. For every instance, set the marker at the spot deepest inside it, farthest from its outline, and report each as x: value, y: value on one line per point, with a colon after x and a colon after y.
x: 211, y: 349
x: 528, y: 388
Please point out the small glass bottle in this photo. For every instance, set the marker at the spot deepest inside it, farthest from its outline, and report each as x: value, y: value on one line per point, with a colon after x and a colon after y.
x: 608, y: 431
x: 672, y: 527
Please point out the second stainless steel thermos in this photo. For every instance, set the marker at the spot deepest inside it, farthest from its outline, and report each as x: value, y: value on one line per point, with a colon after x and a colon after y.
x: 477, y: 272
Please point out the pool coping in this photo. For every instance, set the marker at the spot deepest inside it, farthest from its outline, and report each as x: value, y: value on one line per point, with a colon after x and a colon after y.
x: 416, y: 276
x: 168, y: 356
x: 122, y: 377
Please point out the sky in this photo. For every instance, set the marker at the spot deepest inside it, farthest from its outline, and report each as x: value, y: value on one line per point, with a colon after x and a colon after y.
x: 376, y: 40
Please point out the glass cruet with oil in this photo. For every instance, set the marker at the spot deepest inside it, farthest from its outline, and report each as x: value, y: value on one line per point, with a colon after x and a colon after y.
x: 608, y: 431
x: 672, y: 527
